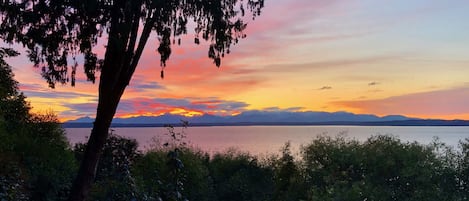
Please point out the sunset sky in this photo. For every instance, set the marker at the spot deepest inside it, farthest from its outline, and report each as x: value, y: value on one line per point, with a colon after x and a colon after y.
x: 362, y: 56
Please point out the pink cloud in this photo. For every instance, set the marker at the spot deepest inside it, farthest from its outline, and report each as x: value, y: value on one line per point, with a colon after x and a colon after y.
x: 194, y: 74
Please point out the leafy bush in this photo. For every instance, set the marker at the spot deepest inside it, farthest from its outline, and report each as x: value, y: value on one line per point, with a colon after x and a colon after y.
x: 113, y: 177
x: 240, y: 176
x: 288, y: 176
x: 333, y: 168
x: 159, y: 175
x: 39, y: 159
x: 382, y: 168
x: 463, y: 170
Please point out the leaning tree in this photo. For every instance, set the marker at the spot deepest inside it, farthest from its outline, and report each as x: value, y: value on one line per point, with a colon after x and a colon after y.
x: 56, y: 32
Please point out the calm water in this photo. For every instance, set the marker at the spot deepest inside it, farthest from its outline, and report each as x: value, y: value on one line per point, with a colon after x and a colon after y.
x: 261, y: 140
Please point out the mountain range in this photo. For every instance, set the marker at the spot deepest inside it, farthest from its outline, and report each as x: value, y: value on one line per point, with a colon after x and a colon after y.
x: 270, y: 118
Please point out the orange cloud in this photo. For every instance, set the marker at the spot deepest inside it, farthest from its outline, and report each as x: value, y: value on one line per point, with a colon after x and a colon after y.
x: 447, y: 104
x: 196, y: 75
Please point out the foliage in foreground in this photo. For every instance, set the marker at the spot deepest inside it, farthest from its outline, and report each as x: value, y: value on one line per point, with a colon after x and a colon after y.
x: 36, y: 162
x: 328, y: 168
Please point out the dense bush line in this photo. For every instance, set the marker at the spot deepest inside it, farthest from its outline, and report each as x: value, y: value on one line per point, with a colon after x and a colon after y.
x: 36, y: 166
x: 381, y: 168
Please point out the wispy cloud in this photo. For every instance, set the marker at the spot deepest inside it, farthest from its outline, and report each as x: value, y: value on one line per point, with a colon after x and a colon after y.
x: 277, y: 109
x: 58, y: 95
x: 325, y: 88
x: 339, y: 63
x: 143, y: 85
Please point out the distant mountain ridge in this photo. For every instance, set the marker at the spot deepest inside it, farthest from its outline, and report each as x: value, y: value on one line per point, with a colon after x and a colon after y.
x: 254, y: 116
x: 257, y: 117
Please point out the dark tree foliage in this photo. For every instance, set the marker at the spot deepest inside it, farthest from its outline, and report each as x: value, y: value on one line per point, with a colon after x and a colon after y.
x: 328, y: 168
x: 113, y: 178
x: 240, y: 177
x: 35, y: 160
x: 464, y: 169
x: 13, y: 107
x: 55, y: 31
x: 288, y: 178
x: 381, y: 168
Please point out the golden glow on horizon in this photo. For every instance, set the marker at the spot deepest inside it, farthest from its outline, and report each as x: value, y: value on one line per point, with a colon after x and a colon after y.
x: 43, y: 104
x: 185, y: 112
x: 146, y: 114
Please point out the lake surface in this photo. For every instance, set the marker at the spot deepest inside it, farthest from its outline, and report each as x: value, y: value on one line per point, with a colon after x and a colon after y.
x: 261, y: 140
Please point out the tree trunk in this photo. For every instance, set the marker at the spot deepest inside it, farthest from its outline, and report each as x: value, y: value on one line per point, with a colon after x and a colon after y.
x: 111, y: 88
x: 87, y: 172
x: 120, y: 61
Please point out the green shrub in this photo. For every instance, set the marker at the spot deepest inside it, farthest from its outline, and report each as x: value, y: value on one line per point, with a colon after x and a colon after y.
x: 333, y: 168
x: 158, y: 176
x: 463, y: 170
x: 239, y: 176
x: 39, y: 158
x: 113, y: 176
x: 287, y: 175
x: 381, y: 168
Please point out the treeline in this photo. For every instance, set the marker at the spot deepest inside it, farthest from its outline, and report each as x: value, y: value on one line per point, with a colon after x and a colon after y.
x: 36, y: 161
x: 38, y: 164
x: 328, y: 168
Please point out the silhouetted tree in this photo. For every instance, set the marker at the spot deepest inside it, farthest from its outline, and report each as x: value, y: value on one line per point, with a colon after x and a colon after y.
x: 36, y: 162
x: 55, y: 30
x: 13, y: 107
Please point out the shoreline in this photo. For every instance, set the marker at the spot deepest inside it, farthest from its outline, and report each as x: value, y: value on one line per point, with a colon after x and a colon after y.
x: 335, y: 123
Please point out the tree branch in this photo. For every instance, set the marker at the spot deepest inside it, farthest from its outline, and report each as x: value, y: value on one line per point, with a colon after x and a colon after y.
x: 135, y: 23
x: 141, y: 45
